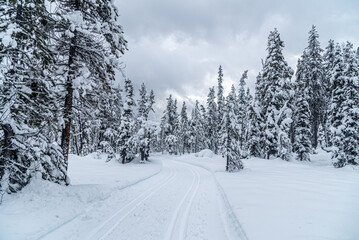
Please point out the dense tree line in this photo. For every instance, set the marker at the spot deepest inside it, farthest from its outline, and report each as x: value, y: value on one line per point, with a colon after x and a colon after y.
x: 58, y: 92
x: 286, y: 118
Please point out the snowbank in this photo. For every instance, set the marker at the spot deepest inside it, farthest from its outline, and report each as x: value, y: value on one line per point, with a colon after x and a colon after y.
x: 205, y: 153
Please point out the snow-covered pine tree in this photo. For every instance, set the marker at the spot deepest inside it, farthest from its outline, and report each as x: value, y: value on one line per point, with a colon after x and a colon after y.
x: 338, y: 97
x: 197, y: 131
x: 302, y: 145
x: 348, y: 150
x: 242, y: 111
x: 169, y: 127
x: 276, y: 81
x: 220, y: 100
x: 328, y: 68
x: 229, y: 143
x: 90, y: 41
x: 143, y: 130
x: 255, y: 122
x: 184, y: 133
x: 212, y: 121
x: 314, y: 75
x: 28, y: 106
x: 127, y: 128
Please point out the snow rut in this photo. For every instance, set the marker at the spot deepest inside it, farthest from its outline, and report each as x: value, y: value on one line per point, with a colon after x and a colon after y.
x: 178, y: 226
x: 108, y: 226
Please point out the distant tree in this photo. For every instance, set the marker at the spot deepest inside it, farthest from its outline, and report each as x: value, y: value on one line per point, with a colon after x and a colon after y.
x: 242, y: 111
x: 125, y: 141
x: 184, y: 131
x: 169, y: 127
x: 276, y: 94
x: 230, y: 147
x: 211, y: 130
x: 256, y: 122
x: 197, y: 131
x: 314, y: 74
x: 302, y: 128
x: 347, y: 151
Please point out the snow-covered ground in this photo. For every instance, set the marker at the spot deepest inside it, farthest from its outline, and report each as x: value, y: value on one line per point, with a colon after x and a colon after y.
x: 189, y: 197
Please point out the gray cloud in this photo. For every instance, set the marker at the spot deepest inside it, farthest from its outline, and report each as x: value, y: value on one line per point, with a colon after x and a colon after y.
x: 176, y: 46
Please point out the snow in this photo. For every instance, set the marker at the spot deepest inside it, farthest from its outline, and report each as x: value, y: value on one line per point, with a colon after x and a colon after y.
x: 189, y: 197
x: 205, y: 153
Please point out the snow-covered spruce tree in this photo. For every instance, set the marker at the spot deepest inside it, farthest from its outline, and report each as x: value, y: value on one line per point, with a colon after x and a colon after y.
x: 125, y: 141
x: 197, y: 131
x: 229, y: 142
x: 143, y: 128
x: 109, y: 118
x: 255, y: 122
x: 336, y: 114
x: 184, y: 131
x: 242, y: 111
x: 212, y: 121
x: 169, y: 127
x: 28, y: 106
x: 328, y: 68
x: 276, y: 81
x: 302, y: 130
x: 314, y: 74
x: 348, y: 150
x: 220, y: 99
x: 90, y: 41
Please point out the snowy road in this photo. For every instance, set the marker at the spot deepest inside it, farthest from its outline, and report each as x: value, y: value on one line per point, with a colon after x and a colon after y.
x: 181, y: 202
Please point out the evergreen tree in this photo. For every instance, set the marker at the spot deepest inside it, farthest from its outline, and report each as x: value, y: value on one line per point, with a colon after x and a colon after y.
x: 211, y: 130
x: 328, y: 67
x: 143, y: 130
x: 184, y: 133
x: 28, y: 103
x: 220, y: 99
x: 255, y: 122
x: 169, y: 127
x: 230, y: 147
x: 314, y: 76
x: 242, y: 111
x: 125, y: 142
x: 276, y: 80
x: 302, y: 131
x: 336, y: 114
x: 348, y: 149
x: 90, y: 41
x: 197, y: 138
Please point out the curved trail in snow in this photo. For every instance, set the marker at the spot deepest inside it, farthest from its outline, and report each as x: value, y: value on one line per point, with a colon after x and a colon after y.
x: 183, y: 201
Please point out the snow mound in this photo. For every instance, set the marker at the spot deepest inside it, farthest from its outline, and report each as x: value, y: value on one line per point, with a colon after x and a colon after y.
x: 205, y: 153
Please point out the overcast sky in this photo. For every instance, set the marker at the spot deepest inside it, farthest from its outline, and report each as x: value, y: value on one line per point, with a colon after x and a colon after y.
x: 176, y: 46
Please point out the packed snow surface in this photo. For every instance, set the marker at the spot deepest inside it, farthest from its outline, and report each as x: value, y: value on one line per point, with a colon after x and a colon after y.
x: 188, y: 197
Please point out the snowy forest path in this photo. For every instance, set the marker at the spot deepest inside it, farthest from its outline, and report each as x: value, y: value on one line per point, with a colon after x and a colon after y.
x: 181, y: 202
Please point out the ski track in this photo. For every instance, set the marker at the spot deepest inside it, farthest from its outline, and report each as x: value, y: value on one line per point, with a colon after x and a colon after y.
x: 72, y: 219
x: 109, y: 225
x: 232, y: 226
x: 179, y: 221
x: 179, y: 218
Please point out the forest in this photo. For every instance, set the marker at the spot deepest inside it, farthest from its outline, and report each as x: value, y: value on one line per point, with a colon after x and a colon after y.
x: 59, y: 95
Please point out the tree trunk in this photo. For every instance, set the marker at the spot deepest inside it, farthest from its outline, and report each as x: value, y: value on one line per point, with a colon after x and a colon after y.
x: 7, y: 152
x: 66, y: 132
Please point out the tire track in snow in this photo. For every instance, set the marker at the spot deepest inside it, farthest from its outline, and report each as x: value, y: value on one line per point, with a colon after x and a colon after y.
x: 108, y: 226
x: 178, y: 225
